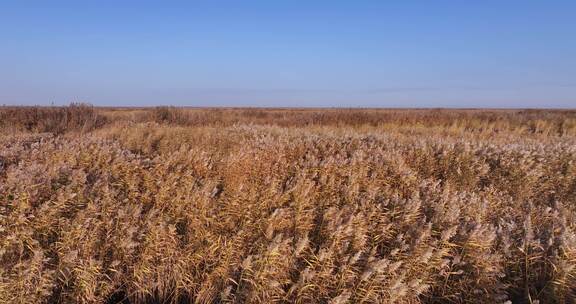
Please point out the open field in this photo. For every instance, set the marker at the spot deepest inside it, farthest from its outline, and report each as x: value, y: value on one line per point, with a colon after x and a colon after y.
x: 161, y: 205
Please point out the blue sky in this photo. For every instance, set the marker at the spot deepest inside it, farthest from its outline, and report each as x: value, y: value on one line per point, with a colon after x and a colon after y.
x: 289, y: 53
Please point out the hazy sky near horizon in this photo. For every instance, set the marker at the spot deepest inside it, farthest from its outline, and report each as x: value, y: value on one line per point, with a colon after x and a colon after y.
x: 493, y: 53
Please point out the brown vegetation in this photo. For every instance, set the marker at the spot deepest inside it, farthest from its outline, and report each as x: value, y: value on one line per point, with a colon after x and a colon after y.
x: 57, y: 120
x: 287, y: 205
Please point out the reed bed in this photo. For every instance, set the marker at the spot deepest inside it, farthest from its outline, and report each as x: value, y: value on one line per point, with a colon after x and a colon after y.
x: 172, y: 205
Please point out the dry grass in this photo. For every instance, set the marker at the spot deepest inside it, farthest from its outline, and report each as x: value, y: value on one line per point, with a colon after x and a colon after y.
x: 295, y: 206
x: 57, y: 120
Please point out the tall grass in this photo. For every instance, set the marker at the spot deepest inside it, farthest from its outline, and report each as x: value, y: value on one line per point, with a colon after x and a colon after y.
x: 75, y: 117
x: 261, y: 206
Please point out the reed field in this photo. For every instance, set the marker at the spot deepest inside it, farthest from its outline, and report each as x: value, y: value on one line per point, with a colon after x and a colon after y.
x: 224, y: 205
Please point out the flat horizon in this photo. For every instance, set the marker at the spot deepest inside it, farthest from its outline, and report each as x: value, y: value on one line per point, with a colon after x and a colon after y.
x: 441, y: 54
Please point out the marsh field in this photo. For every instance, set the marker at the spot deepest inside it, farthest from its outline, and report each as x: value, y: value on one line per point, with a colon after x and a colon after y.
x: 171, y: 205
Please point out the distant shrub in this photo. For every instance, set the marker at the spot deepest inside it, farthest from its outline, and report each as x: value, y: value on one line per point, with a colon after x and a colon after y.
x: 75, y: 117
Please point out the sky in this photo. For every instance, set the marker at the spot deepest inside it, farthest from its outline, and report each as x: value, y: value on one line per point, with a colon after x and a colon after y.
x: 490, y: 53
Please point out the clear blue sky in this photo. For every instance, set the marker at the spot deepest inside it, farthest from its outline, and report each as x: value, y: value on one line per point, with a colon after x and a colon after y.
x: 438, y: 53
